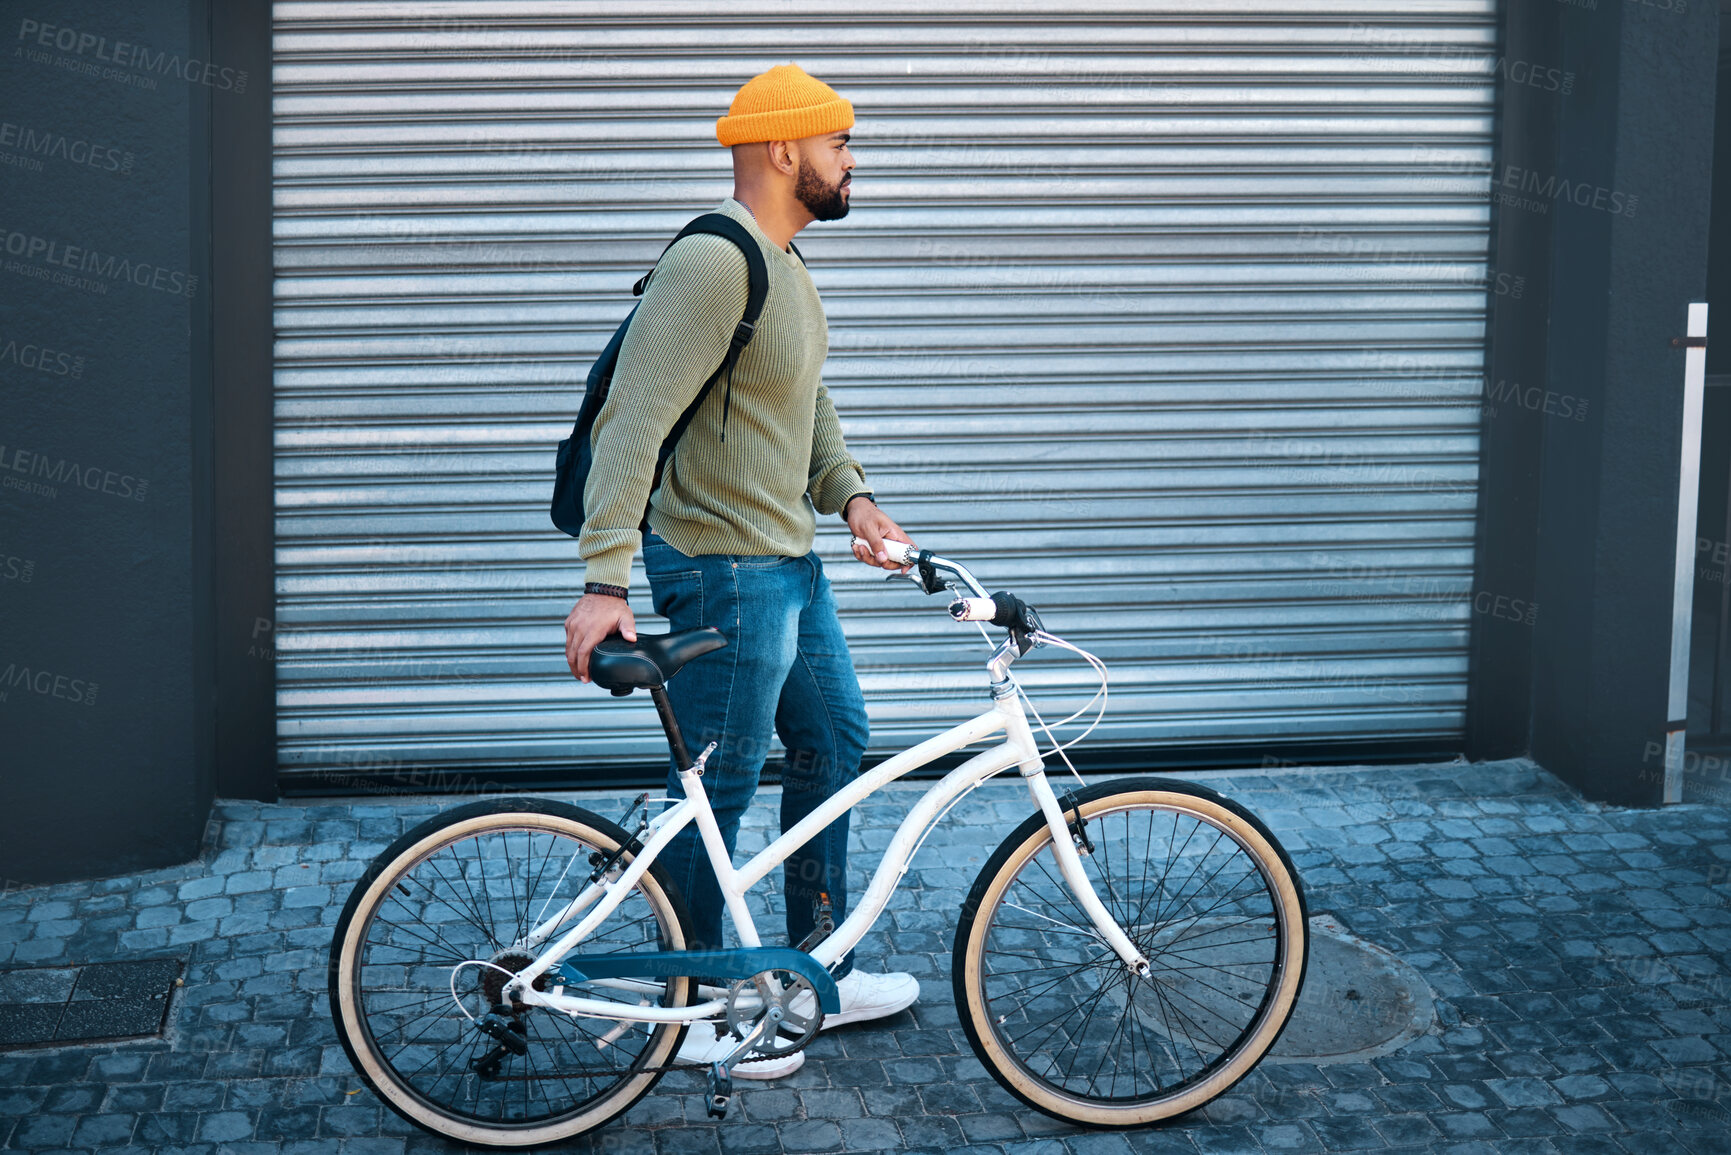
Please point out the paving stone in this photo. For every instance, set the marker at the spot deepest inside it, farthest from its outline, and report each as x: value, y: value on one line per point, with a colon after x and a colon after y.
x: 810, y: 1135
x: 989, y: 1127
x: 1221, y: 1140
x: 105, y: 1130
x: 37, y: 984
x: 870, y: 1135
x: 43, y: 1132
x: 1284, y: 1137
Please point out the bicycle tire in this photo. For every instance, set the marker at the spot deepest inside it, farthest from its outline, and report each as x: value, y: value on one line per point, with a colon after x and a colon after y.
x: 1228, y: 955
x: 514, y: 1106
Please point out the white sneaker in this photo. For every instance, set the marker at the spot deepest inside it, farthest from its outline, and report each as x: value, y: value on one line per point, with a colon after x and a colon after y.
x: 701, y: 1046
x: 867, y: 996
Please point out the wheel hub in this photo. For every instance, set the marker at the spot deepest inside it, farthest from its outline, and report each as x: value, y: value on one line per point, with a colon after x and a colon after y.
x: 493, y: 979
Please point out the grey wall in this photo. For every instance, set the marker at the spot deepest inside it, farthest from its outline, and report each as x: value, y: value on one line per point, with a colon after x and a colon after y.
x: 1602, y: 199
x: 105, y: 299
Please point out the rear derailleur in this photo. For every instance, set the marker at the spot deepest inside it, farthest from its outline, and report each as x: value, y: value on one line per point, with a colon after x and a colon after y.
x: 511, y: 1034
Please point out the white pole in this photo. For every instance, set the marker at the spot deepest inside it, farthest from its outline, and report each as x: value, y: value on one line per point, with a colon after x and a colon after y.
x: 1683, y: 593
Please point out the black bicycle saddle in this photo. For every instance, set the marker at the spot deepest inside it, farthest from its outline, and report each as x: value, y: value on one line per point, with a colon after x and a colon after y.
x: 623, y: 666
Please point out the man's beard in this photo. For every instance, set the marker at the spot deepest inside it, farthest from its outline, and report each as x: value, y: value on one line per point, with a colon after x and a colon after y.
x: 825, y: 202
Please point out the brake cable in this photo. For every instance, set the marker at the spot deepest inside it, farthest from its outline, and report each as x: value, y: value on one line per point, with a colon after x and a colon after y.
x: 1101, y: 694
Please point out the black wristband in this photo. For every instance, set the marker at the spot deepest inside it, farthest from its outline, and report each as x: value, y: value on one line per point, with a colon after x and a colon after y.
x: 603, y: 588
x: 849, y: 502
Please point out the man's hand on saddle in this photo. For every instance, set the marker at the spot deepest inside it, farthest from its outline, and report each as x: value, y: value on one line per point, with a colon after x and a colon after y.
x: 590, y: 621
x: 872, y: 525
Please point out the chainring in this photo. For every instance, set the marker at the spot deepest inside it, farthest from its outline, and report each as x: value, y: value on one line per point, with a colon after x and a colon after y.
x: 748, y: 1000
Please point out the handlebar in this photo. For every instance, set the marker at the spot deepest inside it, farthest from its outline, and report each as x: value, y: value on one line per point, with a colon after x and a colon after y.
x: 1000, y: 609
x: 905, y: 553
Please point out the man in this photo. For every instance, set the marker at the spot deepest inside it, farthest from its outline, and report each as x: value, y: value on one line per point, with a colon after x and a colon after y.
x: 732, y: 522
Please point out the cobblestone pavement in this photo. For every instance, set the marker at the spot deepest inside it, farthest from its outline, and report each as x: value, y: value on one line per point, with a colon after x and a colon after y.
x: 1580, y: 955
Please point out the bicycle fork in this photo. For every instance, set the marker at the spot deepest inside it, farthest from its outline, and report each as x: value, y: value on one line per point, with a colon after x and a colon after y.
x: 1064, y: 849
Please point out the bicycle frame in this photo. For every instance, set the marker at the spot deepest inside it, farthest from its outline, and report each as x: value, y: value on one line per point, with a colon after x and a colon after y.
x: 601, y: 897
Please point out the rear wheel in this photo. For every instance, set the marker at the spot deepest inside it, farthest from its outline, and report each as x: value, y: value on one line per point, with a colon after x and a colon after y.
x: 430, y: 937
x: 1209, y: 897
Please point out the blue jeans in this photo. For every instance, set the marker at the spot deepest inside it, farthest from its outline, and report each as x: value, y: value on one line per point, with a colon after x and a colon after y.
x: 785, y: 667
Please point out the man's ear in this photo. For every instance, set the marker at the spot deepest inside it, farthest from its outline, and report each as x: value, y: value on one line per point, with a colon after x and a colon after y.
x: 784, y: 157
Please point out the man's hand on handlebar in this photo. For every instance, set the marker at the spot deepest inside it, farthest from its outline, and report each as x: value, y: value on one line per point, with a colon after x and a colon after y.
x: 593, y: 618
x: 871, y: 526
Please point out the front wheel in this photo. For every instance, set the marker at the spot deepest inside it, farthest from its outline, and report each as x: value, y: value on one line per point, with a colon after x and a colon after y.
x: 432, y: 933
x: 1205, y: 892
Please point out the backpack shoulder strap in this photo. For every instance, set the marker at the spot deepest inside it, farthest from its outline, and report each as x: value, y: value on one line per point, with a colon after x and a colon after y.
x: 756, y: 272
x: 756, y: 293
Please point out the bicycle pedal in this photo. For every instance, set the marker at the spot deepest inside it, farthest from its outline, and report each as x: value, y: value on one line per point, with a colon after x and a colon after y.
x: 720, y: 1090
x: 823, y: 920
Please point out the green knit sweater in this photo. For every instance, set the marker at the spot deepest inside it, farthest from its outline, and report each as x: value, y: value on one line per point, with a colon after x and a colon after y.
x: 783, y: 460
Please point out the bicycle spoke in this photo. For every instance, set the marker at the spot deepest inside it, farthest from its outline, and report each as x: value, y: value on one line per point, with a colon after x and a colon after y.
x: 528, y: 923
x: 1031, y: 994
x: 516, y: 913
x: 474, y: 907
x: 1212, y: 876
x: 1056, y: 1021
x: 470, y: 917
x: 481, y: 865
x: 1172, y: 856
x: 563, y: 1081
x: 1105, y: 1053
x: 1063, y: 888
x: 415, y: 933
x: 1069, y: 928
x: 1178, y: 893
x: 569, y: 861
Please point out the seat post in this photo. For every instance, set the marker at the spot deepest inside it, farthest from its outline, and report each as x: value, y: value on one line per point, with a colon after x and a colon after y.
x: 675, y: 739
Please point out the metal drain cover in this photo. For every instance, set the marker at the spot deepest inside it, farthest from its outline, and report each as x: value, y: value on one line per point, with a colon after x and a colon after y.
x: 51, y: 1006
x: 1359, y: 1001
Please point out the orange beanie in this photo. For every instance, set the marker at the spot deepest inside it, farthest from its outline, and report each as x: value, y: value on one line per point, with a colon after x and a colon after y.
x: 784, y: 103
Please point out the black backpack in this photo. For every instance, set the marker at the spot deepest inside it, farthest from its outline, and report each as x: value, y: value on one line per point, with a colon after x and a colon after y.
x: 571, y: 469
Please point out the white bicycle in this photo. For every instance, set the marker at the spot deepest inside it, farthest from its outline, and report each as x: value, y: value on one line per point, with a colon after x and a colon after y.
x: 512, y: 972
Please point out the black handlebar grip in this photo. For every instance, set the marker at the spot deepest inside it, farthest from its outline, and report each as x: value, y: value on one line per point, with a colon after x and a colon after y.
x: 1014, y: 613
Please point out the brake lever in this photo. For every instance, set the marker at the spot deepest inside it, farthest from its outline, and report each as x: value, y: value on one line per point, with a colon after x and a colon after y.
x: 928, y: 581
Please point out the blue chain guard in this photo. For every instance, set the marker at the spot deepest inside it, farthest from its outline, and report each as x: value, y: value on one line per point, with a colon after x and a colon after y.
x: 731, y: 964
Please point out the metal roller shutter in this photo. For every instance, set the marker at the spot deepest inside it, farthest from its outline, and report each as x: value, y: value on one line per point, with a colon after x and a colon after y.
x: 1167, y: 316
